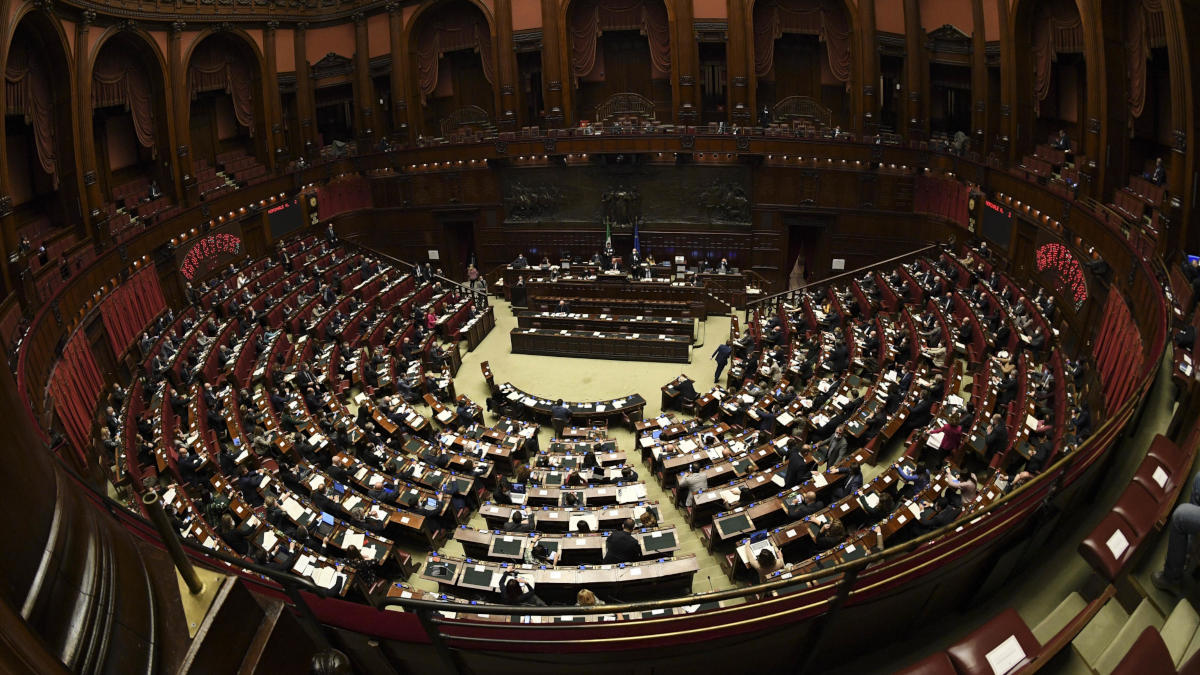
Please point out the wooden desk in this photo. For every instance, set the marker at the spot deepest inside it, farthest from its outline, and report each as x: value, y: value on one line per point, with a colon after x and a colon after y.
x: 608, y: 323
x: 598, y: 345
x: 625, y: 408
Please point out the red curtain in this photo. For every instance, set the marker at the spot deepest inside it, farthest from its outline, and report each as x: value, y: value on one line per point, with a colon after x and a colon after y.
x: 27, y: 93
x: 343, y: 195
x: 214, y: 68
x: 824, y: 18
x: 589, y: 18
x: 1144, y: 30
x: 75, y: 386
x: 1118, y: 350
x: 1057, y: 29
x: 129, y: 309
x: 942, y: 197
x: 449, y: 31
x: 119, y: 79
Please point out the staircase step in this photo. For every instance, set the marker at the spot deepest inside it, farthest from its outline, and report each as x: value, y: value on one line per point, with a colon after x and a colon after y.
x: 1144, y: 616
x: 1068, y: 609
x: 1179, y: 630
x: 1097, y: 634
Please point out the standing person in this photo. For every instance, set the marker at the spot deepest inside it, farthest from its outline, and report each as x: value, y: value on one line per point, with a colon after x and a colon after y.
x: 721, y: 356
x: 621, y: 546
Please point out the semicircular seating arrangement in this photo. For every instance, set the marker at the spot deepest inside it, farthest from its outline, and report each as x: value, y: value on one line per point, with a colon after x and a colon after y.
x: 303, y: 415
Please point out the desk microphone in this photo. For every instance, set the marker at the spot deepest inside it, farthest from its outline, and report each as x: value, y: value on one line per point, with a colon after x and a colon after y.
x: 710, y: 586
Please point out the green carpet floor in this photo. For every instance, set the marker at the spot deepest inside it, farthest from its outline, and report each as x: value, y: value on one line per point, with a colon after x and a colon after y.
x: 594, y: 379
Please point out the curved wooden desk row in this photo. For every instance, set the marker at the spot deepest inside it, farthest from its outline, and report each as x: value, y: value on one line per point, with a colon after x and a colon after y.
x: 571, y: 547
x: 627, y: 409
x: 664, y: 577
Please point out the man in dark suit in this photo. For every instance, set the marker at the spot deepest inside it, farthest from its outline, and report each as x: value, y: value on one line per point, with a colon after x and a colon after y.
x: 799, y: 470
x: 621, y: 547
x: 721, y: 356
x: 518, y: 524
x: 995, y: 436
x: 687, y: 391
x: 837, y: 448
x: 807, y: 505
x: 560, y: 415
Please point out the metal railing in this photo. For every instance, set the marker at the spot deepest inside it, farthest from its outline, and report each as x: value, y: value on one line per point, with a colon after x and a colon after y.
x: 791, y: 295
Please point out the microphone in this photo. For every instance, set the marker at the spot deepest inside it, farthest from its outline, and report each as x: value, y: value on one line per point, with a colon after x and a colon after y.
x: 710, y: 584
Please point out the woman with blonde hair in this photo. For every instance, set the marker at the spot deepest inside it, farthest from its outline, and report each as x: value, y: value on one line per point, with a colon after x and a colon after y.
x: 586, y: 598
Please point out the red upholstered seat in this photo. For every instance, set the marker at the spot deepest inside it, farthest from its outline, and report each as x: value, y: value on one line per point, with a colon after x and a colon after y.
x: 1096, y: 550
x: 970, y: 656
x: 1138, y: 507
x: 934, y: 664
x: 1148, y: 476
x: 1171, y: 455
x: 1147, y: 655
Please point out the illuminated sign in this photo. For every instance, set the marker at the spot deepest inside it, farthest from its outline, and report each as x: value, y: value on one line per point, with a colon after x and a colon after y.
x: 1066, y: 273
x: 208, y: 253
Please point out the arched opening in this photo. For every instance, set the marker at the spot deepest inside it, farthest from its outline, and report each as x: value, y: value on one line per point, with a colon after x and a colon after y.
x: 129, y: 130
x: 1052, y: 70
x: 618, y: 47
x: 1149, y: 79
x: 226, y: 116
x: 455, y: 70
x: 40, y: 142
x: 803, y: 62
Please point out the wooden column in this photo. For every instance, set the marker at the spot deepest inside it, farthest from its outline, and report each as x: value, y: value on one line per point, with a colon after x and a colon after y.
x: 94, y: 218
x: 1185, y: 84
x: 272, y: 105
x: 979, y: 81
x: 306, y: 107
x: 506, y: 67
x: 184, y: 171
x: 685, y: 69
x: 739, y: 55
x: 868, y: 49
x: 1008, y: 82
x: 1096, y: 108
x: 914, y: 72
x: 400, y: 61
x: 556, y: 68
x: 364, y: 89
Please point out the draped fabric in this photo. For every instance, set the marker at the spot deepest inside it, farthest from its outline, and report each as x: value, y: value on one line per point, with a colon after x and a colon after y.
x: 450, y: 31
x: 1057, y: 29
x: 131, y: 307
x: 943, y: 197
x: 75, y: 386
x: 1145, y: 30
x: 1118, y: 350
x: 119, y: 79
x: 824, y: 18
x: 216, y: 68
x: 27, y: 93
x: 588, y: 19
x: 344, y: 195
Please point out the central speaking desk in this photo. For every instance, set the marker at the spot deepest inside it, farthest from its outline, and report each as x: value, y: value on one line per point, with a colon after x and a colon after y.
x: 645, y: 324
x: 624, y: 296
x: 601, y: 345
